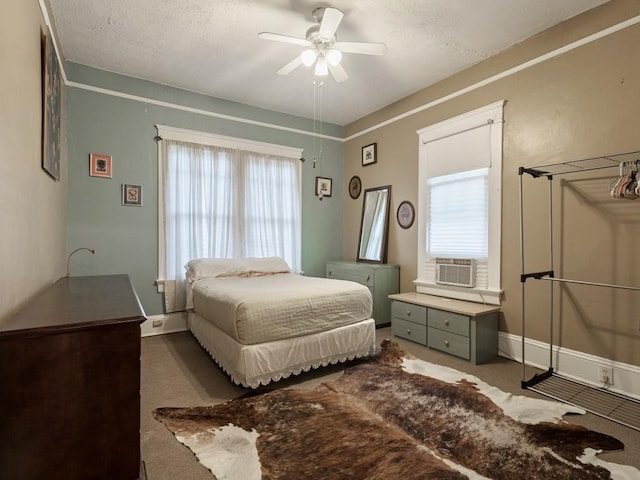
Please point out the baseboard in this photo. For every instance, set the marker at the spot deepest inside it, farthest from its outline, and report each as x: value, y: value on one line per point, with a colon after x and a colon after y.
x: 572, y: 364
x: 164, y: 323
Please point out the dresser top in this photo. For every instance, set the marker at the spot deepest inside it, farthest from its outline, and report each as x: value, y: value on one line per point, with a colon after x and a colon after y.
x: 471, y: 309
x: 75, y: 303
x: 353, y: 263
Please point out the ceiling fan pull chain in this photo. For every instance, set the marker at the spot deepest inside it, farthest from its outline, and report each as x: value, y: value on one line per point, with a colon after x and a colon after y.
x: 321, y: 120
x: 314, y: 124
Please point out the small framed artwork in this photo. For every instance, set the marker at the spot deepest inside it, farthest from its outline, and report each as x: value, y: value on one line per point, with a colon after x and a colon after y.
x: 132, y: 195
x: 369, y: 154
x: 405, y: 214
x: 323, y: 187
x: 100, y: 165
x: 355, y: 187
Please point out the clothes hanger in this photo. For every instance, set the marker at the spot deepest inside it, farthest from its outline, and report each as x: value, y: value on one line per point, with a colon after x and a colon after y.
x: 626, y: 185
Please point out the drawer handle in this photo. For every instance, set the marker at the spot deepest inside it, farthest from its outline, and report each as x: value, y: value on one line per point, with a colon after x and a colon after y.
x: 446, y: 343
x: 446, y: 322
x: 368, y: 277
x: 408, y: 313
x: 408, y: 331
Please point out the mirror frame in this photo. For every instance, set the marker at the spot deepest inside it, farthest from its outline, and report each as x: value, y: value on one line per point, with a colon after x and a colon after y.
x: 385, y: 235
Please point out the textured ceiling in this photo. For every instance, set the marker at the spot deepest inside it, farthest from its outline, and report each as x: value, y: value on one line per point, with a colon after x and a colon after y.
x: 212, y: 46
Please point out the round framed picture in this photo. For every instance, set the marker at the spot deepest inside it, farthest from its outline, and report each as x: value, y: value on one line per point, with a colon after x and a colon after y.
x: 405, y: 214
x: 355, y: 187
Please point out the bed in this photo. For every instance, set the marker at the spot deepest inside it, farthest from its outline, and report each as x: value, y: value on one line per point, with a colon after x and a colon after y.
x: 261, y: 323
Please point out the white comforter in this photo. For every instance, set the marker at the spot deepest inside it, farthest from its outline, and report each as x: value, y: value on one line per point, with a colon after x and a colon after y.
x: 272, y: 307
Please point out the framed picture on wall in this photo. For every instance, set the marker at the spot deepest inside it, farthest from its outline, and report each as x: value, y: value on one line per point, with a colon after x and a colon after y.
x: 132, y: 195
x: 323, y: 187
x: 355, y: 187
x: 369, y: 154
x: 100, y: 165
x: 50, y: 108
x: 405, y: 214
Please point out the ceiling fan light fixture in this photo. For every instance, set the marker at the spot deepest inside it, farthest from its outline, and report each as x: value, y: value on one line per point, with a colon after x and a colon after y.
x: 322, y: 69
x: 334, y: 56
x: 308, y: 57
x: 322, y: 51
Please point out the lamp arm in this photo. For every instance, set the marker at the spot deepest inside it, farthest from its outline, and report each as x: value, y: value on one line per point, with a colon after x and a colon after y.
x: 69, y: 257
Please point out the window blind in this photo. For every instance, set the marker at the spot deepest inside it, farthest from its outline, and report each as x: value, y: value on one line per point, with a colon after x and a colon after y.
x: 467, y: 150
x: 458, y: 214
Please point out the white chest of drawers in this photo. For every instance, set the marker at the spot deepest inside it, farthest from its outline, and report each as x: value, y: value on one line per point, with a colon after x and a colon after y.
x: 464, y: 329
x: 382, y: 279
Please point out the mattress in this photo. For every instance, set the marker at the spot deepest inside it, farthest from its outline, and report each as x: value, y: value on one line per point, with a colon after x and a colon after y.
x: 266, y: 308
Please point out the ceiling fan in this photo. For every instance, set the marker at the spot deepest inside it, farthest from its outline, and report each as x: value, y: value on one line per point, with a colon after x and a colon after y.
x: 323, y: 48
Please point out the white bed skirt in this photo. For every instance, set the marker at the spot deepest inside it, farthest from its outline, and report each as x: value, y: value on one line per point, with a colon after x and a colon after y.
x: 253, y: 365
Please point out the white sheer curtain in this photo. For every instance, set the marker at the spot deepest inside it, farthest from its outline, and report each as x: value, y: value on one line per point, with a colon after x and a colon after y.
x: 225, y: 203
x: 272, y: 224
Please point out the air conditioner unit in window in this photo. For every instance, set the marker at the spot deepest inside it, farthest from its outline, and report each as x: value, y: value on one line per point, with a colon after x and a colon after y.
x: 460, y: 272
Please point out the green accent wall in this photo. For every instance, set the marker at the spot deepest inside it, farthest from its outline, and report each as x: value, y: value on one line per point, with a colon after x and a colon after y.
x: 126, y: 238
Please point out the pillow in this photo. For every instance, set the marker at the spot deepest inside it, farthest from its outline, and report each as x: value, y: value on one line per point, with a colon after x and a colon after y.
x: 265, y: 265
x: 228, y: 267
x: 211, y: 268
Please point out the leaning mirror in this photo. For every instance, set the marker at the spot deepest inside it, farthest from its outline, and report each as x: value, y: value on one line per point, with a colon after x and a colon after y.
x: 374, y: 225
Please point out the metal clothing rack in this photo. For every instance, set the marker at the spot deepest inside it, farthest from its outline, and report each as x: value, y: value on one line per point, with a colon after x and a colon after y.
x: 599, y: 401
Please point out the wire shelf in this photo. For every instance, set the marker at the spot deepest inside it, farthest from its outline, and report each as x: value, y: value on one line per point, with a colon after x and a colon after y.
x: 599, y: 401
x: 583, y: 165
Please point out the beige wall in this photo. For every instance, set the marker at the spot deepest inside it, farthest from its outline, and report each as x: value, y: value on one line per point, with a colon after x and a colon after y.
x: 32, y: 204
x: 583, y: 103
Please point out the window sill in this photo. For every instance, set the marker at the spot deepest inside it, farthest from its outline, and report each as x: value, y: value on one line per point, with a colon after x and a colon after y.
x: 160, y: 285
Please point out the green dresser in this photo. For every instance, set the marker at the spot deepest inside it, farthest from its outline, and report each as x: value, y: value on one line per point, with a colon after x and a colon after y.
x: 465, y: 329
x: 382, y: 279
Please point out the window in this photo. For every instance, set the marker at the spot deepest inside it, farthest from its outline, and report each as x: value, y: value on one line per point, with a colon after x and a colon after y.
x: 458, y: 215
x: 226, y: 198
x: 459, y: 207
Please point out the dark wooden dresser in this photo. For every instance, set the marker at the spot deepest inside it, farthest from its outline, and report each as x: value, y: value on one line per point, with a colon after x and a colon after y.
x: 70, y: 383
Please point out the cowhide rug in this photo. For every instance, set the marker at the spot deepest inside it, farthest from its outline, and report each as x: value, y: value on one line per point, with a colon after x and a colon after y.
x: 394, y: 417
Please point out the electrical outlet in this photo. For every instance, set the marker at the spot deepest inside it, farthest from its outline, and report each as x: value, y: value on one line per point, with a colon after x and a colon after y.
x: 606, y: 375
x: 157, y: 323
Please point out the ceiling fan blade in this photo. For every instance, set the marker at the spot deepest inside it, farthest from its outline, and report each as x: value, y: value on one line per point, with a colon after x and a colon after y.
x: 361, y: 47
x: 284, y: 38
x: 291, y: 66
x: 331, y: 18
x: 338, y: 72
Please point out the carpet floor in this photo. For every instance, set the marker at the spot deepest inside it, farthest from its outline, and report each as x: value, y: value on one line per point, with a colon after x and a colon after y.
x: 176, y: 371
